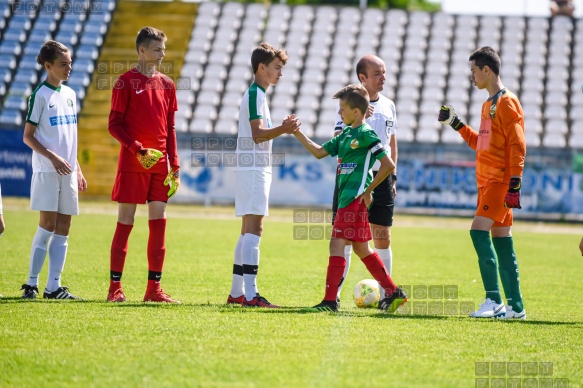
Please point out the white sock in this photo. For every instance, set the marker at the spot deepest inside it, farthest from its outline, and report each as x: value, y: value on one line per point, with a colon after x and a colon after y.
x: 250, y: 254
x: 387, y: 258
x: 38, y: 253
x: 237, y: 285
x: 57, y: 255
x: 347, y: 255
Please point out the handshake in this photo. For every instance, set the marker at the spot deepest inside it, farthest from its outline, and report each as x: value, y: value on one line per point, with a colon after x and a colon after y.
x: 447, y: 116
x: 291, y: 124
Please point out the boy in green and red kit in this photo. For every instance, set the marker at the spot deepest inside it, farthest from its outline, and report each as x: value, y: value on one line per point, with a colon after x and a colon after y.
x: 357, y: 148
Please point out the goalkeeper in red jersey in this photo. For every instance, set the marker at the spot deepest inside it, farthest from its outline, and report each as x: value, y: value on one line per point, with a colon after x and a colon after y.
x: 500, y: 151
x: 143, y: 104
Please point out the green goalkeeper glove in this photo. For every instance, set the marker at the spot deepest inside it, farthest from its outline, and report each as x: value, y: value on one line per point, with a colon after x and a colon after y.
x: 172, y: 180
x: 148, y: 157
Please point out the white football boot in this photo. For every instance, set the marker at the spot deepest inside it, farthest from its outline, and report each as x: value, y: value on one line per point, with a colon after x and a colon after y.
x: 489, y: 309
x: 511, y: 314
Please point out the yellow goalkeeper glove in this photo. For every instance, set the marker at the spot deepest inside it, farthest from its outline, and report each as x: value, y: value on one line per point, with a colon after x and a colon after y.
x: 172, y: 180
x: 148, y: 157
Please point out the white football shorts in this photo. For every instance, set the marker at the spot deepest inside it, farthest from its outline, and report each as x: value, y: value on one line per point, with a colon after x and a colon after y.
x: 52, y: 192
x: 252, y: 192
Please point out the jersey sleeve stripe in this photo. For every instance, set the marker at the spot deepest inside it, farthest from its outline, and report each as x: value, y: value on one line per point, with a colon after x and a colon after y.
x: 253, y: 112
x: 30, y: 107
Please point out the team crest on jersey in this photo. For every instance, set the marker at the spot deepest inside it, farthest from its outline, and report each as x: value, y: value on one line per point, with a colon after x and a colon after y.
x: 354, y: 144
x: 389, y: 123
x: 493, y: 111
x: 70, y: 102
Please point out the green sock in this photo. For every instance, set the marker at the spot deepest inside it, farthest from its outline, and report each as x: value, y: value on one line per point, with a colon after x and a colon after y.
x: 509, y: 271
x: 488, y: 263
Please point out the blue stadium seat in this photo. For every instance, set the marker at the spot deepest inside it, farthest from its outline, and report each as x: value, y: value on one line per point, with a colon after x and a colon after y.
x: 20, y: 88
x: 11, y: 117
x: 15, y: 102
x: 10, y: 47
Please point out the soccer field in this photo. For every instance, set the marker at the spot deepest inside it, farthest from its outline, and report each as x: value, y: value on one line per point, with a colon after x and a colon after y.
x: 204, y: 342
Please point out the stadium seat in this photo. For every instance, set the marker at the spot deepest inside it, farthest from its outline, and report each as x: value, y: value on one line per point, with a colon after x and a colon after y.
x: 202, y: 125
x: 15, y: 102
x: 11, y: 117
x: 554, y: 140
x: 227, y: 127
x: 556, y: 126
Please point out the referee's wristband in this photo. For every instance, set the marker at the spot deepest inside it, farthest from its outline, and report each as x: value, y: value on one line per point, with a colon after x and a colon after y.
x: 394, y: 177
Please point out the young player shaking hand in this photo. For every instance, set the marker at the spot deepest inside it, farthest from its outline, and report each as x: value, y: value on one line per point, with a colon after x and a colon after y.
x: 143, y: 104
x: 253, y: 172
x: 500, y: 151
x: 357, y: 148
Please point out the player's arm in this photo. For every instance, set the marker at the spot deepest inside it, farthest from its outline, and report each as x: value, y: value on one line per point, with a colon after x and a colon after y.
x: 262, y: 134
x: 511, y: 118
x: 116, y: 128
x: 394, y: 157
x: 447, y: 116
x: 62, y: 167
x: 315, y: 149
x: 387, y: 166
x: 81, y: 181
x: 173, y: 178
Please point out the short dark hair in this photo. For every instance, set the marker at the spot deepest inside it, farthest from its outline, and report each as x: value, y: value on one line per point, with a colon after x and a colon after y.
x: 49, y: 51
x: 355, y: 96
x: 265, y: 54
x: 147, y: 35
x: 487, y: 56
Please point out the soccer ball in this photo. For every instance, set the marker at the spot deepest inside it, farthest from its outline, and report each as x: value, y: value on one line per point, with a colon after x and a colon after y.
x: 367, y: 294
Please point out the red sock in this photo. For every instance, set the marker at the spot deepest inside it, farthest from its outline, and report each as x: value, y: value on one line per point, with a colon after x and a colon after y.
x: 119, y: 247
x: 336, y: 265
x: 377, y: 269
x: 156, y: 247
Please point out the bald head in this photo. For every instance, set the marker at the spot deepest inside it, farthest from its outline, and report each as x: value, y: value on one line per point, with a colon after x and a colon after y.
x: 370, y: 71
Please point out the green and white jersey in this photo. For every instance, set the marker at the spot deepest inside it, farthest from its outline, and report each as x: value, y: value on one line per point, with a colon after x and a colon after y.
x: 54, y: 113
x: 251, y: 156
x: 383, y: 121
x: 357, y: 149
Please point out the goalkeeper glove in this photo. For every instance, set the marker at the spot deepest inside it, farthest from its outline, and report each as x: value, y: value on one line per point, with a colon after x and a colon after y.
x: 148, y: 157
x: 172, y: 180
x: 512, y: 199
x: 447, y: 116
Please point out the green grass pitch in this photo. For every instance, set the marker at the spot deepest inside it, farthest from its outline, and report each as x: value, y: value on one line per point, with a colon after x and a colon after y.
x: 205, y: 343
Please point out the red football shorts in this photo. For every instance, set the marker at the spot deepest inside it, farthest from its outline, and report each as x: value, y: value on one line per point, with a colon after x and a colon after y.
x: 139, y: 187
x: 491, y: 204
x: 351, y: 222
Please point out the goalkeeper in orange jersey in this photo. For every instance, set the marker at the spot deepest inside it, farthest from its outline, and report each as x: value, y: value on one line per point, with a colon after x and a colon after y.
x: 500, y: 151
x: 143, y: 104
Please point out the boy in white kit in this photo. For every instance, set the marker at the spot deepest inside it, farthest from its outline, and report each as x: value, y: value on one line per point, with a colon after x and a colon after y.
x: 253, y: 172
x: 51, y: 132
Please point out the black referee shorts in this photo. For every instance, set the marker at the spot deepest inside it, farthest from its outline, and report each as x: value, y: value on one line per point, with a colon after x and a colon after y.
x: 383, y: 205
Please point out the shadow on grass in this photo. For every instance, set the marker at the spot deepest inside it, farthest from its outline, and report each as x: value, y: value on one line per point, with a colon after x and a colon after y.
x: 223, y: 308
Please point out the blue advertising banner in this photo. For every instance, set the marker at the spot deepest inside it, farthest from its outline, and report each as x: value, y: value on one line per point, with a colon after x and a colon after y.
x: 432, y: 178
x: 15, y: 164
